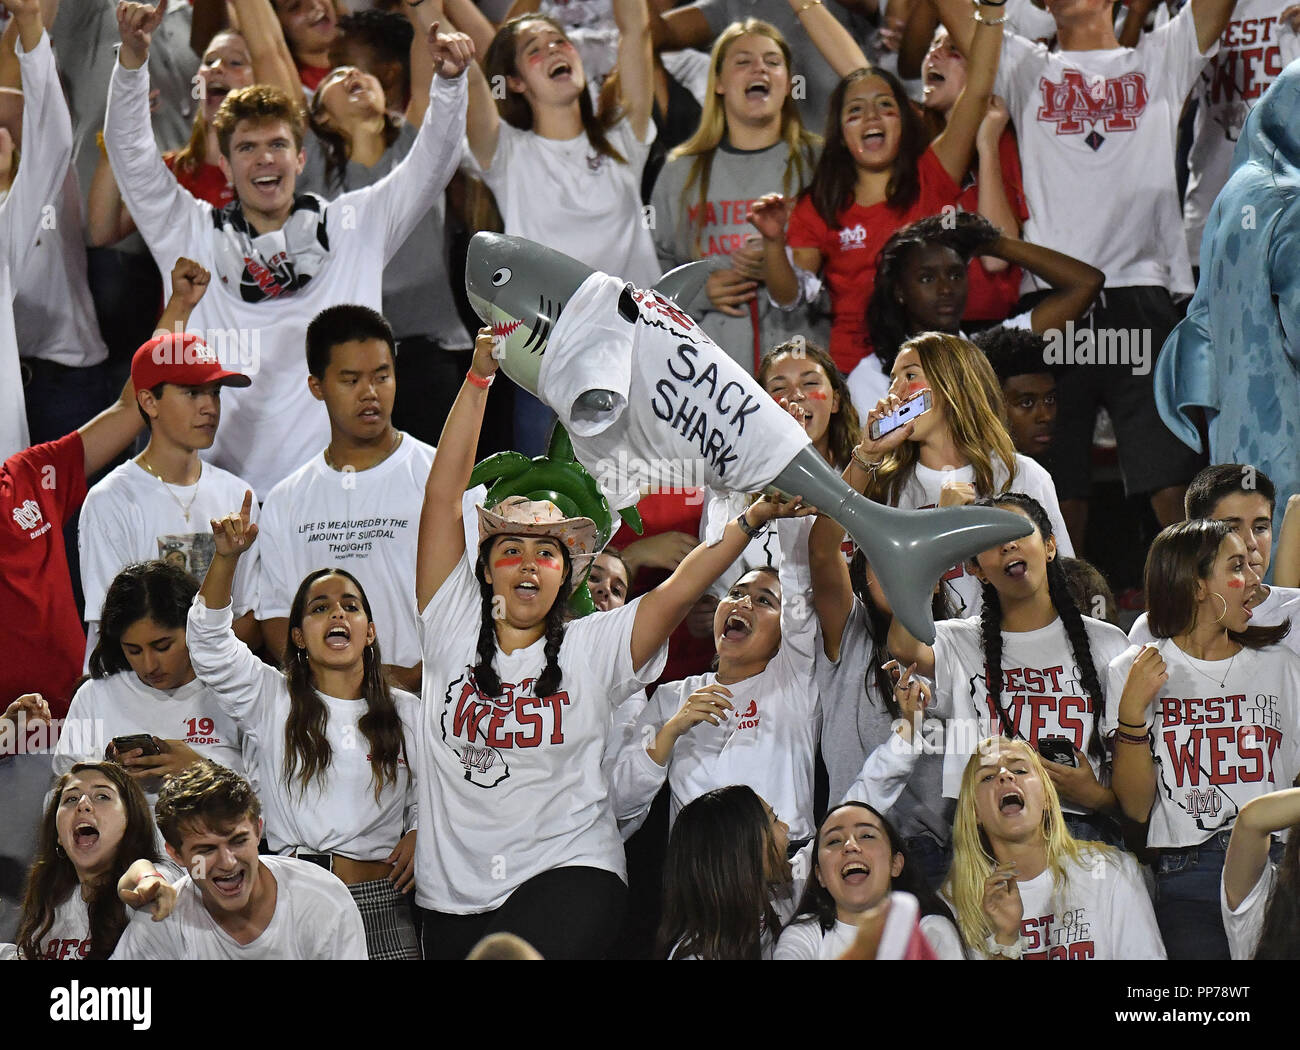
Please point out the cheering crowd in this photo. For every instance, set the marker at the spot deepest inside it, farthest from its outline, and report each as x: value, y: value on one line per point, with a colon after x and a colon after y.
x: 281, y: 681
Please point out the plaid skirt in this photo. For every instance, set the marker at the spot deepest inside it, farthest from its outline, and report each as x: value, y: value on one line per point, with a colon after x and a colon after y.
x: 387, y: 916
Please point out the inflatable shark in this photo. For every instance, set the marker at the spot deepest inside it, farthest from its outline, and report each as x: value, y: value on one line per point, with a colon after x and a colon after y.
x: 648, y: 398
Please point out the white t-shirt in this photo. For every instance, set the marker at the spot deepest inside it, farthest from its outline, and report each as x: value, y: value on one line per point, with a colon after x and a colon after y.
x: 511, y: 785
x: 1103, y: 912
x: 30, y: 200
x: 685, y: 414
x: 1215, y: 746
x: 1254, y: 48
x: 272, y: 427
x: 807, y: 940
x: 1090, y: 122
x: 564, y: 194
x: 337, y: 812
x: 133, y: 516
x: 926, y: 486
x: 1042, y: 688
x: 121, y: 704
x: 315, y: 918
x: 1282, y: 603
x: 364, y: 521
x: 1245, y: 925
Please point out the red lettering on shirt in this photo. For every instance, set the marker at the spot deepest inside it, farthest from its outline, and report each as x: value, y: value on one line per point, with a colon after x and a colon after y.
x: 1077, y: 103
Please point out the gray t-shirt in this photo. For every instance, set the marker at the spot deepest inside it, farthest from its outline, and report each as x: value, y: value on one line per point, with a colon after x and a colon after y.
x: 737, y: 178
x: 417, y: 289
x: 855, y: 721
x: 85, y: 38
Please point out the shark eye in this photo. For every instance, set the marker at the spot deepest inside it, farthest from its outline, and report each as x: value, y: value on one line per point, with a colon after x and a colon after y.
x: 501, y: 277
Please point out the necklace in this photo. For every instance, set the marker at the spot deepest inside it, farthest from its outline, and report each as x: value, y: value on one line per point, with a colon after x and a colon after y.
x: 397, y: 440
x: 185, y: 507
x: 1227, y: 672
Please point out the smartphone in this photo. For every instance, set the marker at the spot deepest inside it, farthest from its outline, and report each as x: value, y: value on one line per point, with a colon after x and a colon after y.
x: 1057, y: 749
x: 136, y: 741
x: 902, y: 415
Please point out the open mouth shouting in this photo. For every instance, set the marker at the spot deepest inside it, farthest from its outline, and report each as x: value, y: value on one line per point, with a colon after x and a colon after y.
x: 758, y: 90
x: 737, y: 627
x: 338, y: 637
x: 561, y: 69
x: 268, y: 184
x: 527, y: 590
x: 1015, y: 569
x: 229, y: 885
x: 1011, y: 803
x: 85, y: 836
x: 855, y: 873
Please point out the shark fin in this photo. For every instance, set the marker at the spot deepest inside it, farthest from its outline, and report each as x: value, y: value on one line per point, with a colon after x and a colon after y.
x: 683, y: 283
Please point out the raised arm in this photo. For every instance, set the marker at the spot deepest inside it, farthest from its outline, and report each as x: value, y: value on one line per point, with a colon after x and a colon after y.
x: 959, y: 18
x: 272, y: 60
x: 1286, y: 559
x: 831, y: 588
x: 835, y: 43
x: 1135, y: 18
x: 680, y: 28
x: 635, y: 64
x: 189, y: 285
x: 442, y: 532
x: 993, y: 203
x: 909, y: 651
x: 666, y: 606
x: 107, y: 218
x: 956, y: 143
x: 1247, y: 857
x: 1211, y: 18
x: 918, y: 33
x: 770, y: 215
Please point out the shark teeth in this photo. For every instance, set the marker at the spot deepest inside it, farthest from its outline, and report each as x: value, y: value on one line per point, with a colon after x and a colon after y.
x: 503, y: 329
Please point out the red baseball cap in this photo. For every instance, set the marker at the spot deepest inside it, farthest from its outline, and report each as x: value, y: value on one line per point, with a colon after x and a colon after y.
x: 183, y: 359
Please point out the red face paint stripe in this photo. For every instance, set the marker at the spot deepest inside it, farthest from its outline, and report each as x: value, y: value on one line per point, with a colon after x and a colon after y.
x: 507, y: 563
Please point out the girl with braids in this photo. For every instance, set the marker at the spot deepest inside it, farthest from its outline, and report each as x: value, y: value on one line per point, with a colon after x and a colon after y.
x: 331, y: 735
x: 858, y: 859
x: 877, y: 172
x: 922, y: 280
x: 520, y: 831
x: 1260, y: 900
x: 725, y: 878
x: 1026, y: 669
x: 1204, y: 720
x: 97, y: 824
x: 142, y: 681
x: 1022, y: 886
x: 952, y: 454
x: 750, y: 142
x: 859, y: 704
x: 561, y: 175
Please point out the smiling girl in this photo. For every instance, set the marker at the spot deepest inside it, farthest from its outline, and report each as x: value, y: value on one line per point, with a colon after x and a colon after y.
x: 858, y: 860
x: 96, y: 825
x: 331, y: 734
x: 142, y: 681
x: 1204, y: 720
x: 1022, y: 887
x: 875, y: 174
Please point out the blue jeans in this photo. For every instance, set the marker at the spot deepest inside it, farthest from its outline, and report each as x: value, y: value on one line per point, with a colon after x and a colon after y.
x: 930, y: 857
x: 1093, y: 827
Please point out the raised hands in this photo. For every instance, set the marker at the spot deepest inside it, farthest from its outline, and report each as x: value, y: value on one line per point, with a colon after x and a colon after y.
x: 451, y: 52
x: 136, y: 24
x: 189, y: 282
x: 770, y: 214
x: 763, y: 510
x: 994, y: 123
x: 235, y: 533
x: 27, y: 14
x: 28, y: 708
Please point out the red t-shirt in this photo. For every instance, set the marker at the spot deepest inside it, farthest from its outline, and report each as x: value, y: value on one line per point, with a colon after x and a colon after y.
x: 849, y: 251
x: 675, y: 511
x: 311, y: 76
x: 207, y: 183
x: 993, y: 296
x: 41, y: 489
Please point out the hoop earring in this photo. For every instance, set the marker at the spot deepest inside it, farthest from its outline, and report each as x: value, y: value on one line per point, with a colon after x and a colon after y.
x: 1221, y: 598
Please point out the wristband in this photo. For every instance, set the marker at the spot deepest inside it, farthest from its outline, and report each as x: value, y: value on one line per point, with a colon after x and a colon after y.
x: 1129, y: 738
x: 990, y: 3
x: 748, y: 529
x: 479, y: 381
x: 1145, y: 726
x: 989, y: 21
x: 865, y: 464
x: 1010, y: 951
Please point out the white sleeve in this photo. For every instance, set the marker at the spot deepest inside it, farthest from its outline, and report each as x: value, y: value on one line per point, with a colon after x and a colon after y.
x: 171, y: 221
x: 1174, y: 55
x: 244, y: 592
x: 1033, y: 480
x: 274, y: 589
x: 605, y: 640
x: 396, y: 203
x: 346, y: 933
x: 810, y: 286
x: 245, y: 688
x: 634, y: 777
x: 800, y: 942
x: 1134, y: 931
x: 1140, y: 632
x: 145, y: 940
x: 1245, y: 925
x: 104, y: 546
x: 943, y: 937
x: 1116, y: 675
x: 885, y: 773
x: 1018, y: 69
x: 78, y: 733
x: 47, y: 151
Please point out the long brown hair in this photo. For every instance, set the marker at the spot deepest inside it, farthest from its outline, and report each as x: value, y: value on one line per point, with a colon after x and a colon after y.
x: 1280, y: 936
x: 335, y: 145
x: 514, y: 108
x: 800, y: 143
x: 1180, y: 557
x: 304, y: 731
x: 844, y: 430
x: 964, y: 383
x: 53, y: 878
x: 836, y: 176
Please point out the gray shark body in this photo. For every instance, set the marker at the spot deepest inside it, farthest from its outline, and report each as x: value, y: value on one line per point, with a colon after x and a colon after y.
x: 522, y: 290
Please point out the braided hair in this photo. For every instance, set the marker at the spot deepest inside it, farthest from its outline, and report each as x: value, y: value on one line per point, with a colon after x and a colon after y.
x: 548, y: 682
x: 1058, y: 591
